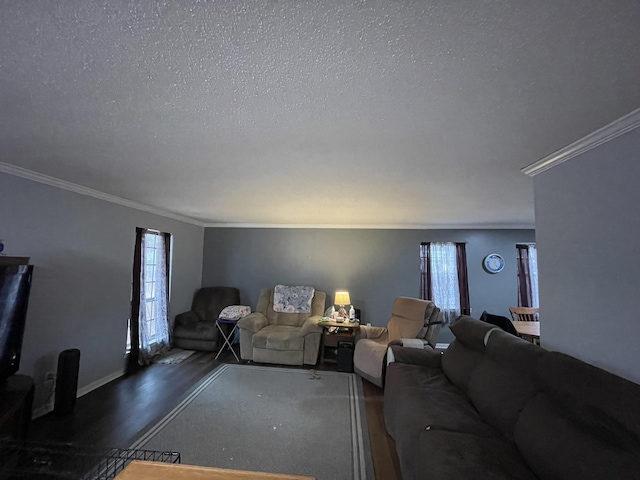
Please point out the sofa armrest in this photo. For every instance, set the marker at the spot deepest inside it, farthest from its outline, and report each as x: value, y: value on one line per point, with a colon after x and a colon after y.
x: 366, y: 331
x: 186, y: 318
x: 419, y: 343
x: 311, y: 325
x: 415, y: 356
x: 253, y: 322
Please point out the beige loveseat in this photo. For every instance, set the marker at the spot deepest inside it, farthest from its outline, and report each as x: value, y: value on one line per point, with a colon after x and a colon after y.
x: 268, y: 336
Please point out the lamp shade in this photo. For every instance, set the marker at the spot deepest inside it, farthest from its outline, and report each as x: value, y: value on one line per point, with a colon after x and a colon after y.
x: 342, y: 298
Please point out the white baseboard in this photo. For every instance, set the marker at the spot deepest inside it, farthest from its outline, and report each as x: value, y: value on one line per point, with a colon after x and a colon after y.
x: 48, y: 407
x: 100, y: 382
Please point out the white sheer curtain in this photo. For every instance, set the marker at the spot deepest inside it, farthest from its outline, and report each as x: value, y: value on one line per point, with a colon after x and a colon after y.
x: 153, y: 319
x: 533, y: 274
x: 444, y: 279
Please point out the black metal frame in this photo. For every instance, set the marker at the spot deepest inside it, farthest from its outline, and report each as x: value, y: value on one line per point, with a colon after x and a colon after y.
x: 64, y: 461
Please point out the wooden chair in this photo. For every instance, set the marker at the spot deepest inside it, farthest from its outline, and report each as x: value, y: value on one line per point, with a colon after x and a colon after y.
x: 524, y: 314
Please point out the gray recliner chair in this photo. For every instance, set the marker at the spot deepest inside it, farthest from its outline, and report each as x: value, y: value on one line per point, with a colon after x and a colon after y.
x: 413, y: 322
x: 196, y: 329
x: 268, y: 336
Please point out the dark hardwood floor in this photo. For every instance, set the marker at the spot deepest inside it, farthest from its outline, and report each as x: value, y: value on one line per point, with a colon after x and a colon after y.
x: 117, y: 413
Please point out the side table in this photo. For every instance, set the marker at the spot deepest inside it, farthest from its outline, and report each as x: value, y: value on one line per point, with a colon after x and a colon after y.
x: 346, y: 333
x: 16, y: 402
x: 227, y: 338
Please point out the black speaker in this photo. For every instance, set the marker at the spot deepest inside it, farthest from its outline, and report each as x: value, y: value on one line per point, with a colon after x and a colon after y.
x: 67, y: 381
x: 345, y: 357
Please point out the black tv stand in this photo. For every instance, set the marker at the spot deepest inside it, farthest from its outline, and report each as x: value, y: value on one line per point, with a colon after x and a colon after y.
x: 16, y: 403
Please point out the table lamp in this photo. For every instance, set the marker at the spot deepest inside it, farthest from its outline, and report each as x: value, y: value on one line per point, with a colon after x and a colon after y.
x: 342, y: 299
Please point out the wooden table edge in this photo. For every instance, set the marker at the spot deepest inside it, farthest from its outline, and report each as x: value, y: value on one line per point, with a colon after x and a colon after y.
x: 146, y: 470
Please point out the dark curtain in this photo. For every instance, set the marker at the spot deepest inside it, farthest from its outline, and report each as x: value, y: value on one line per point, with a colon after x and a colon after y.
x: 463, y: 279
x: 426, y: 292
x: 167, y: 260
x: 524, y: 277
x: 133, y: 365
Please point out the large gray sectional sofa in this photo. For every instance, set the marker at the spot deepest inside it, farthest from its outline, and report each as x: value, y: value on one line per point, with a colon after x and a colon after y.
x: 493, y: 406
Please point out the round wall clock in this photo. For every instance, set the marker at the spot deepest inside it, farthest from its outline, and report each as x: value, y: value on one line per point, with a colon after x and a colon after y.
x: 493, y: 263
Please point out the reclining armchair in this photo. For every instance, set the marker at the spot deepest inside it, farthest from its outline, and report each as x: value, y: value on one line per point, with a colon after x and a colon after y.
x: 196, y: 329
x: 413, y: 322
x: 270, y: 336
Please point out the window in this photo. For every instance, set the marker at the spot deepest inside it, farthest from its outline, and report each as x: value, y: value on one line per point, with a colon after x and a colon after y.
x: 154, y: 279
x: 444, y: 277
x: 527, y: 260
x: 149, y: 325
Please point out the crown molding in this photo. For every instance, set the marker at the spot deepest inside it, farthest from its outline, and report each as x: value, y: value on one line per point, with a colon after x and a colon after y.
x: 72, y: 187
x: 605, y: 134
x: 90, y: 192
x: 376, y: 227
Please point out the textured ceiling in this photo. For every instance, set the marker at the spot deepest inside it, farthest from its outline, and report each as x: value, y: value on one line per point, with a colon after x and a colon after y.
x: 414, y: 113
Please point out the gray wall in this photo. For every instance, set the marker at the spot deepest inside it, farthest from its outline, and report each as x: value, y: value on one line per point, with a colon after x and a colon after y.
x: 375, y: 266
x: 82, y: 252
x: 588, y: 229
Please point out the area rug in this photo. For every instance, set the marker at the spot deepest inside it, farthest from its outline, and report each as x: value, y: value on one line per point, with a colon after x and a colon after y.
x: 270, y: 419
x: 175, y: 355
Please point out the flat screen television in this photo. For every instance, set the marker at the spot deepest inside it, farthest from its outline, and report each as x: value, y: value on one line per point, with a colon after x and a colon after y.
x: 15, y: 284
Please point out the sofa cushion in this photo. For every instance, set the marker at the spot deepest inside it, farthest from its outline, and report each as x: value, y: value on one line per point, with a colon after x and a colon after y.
x: 594, y: 394
x: 467, y: 351
x: 471, y: 332
x: 205, y: 330
x: 589, y: 420
x: 433, y: 402
x: 446, y: 455
x: 501, y: 384
x: 556, y: 444
x: 459, y: 362
x: 278, y: 337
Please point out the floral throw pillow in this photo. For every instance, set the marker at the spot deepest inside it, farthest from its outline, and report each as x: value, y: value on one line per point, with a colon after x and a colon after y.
x: 288, y: 299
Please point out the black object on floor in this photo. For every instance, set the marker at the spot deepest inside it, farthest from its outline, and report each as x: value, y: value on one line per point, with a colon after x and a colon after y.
x: 67, y: 381
x: 345, y: 357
